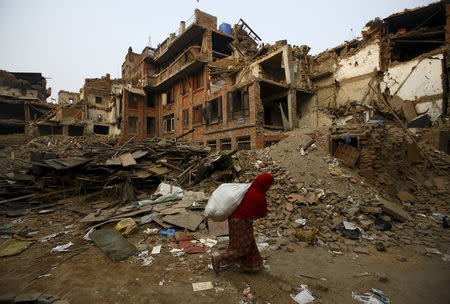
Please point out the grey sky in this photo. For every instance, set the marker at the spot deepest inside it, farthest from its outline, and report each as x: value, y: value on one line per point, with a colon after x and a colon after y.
x: 69, y: 40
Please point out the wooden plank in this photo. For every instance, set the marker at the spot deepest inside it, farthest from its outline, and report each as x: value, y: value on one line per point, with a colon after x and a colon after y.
x: 127, y: 159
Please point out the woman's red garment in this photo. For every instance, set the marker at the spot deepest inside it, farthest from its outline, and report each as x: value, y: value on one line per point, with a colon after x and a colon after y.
x: 254, y: 203
x: 242, y: 246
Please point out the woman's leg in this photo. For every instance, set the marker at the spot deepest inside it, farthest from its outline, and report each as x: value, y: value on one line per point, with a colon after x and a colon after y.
x: 240, y: 241
x: 252, y: 261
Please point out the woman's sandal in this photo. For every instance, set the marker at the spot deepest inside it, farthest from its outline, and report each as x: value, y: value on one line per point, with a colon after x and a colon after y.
x: 215, y: 265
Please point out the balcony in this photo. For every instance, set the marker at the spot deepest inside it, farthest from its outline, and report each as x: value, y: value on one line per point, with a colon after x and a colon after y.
x: 188, y: 61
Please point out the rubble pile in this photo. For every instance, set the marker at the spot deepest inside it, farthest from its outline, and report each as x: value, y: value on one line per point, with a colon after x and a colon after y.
x: 336, y: 207
x: 79, y: 164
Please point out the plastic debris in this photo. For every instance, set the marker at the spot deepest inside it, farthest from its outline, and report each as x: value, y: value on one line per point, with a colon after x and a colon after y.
x: 301, y: 221
x: 375, y: 296
x: 151, y: 231
x: 126, y: 226
x: 62, y: 248
x: 304, y: 296
x: 50, y: 236
x: 87, y: 236
x: 147, y: 259
x: 247, y: 294
x: 167, y: 231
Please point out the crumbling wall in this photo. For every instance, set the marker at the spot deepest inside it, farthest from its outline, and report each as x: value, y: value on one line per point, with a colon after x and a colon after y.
x: 419, y: 80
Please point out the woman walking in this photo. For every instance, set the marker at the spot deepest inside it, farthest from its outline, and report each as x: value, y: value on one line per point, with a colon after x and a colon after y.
x: 242, y: 245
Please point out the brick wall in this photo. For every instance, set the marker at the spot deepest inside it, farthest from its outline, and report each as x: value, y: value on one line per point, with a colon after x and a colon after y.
x: 142, y: 112
x: 204, y: 19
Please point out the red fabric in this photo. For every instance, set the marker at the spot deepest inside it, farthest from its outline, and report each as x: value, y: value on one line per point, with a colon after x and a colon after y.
x: 254, y: 203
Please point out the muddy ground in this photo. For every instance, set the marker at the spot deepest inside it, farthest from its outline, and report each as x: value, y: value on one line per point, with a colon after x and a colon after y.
x: 91, y: 277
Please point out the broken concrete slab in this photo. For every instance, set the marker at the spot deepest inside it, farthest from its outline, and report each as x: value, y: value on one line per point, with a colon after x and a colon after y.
x: 405, y: 197
x: 361, y: 250
x: 187, y: 220
x: 395, y: 211
x: 112, y: 243
x: 127, y: 159
x: 27, y: 297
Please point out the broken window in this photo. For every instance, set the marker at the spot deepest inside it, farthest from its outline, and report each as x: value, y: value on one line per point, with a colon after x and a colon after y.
x: 184, y: 86
x: 133, y: 101
x: 132, y: 124
x: 273, y: 68
x: 269, y: 143
x: 243, y: 143
x: 274, y: 100
x: 197, y: 114
x: 150, y: 101
x: 169, y: 123
x: 213, y: 111
x: 50, y: 130
x: 98, y: 99
x: 221, y: 45
x: 197, y: 80
x: 170, y: 95
x: 150, y: 125
x: 238, y: 103
x: 212, y: 144
x: 98, y: 129
x: 225, y: 144
x: 185, y: 117
x: 12, y: 111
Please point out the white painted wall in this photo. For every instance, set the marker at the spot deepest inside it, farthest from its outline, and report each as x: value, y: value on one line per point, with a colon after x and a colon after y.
x: 424, y: 80
x: 361, y: 63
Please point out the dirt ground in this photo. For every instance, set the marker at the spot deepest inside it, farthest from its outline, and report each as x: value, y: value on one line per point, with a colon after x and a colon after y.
x: 90, y: 277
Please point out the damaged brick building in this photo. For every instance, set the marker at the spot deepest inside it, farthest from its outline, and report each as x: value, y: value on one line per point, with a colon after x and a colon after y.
x: 22, y: 103
x: 221, y: 87
x: 215, y: 87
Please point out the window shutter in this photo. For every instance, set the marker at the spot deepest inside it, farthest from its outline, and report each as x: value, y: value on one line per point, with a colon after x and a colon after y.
x: 245, y: 102
x: 230, y: 104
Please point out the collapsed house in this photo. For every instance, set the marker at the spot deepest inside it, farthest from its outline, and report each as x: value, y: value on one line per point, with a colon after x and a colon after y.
x: 95, y: 110
x: 22, y: 102
x: 402, y: 57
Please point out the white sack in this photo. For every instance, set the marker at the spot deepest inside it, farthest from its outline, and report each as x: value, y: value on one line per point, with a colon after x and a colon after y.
x: 224, y: 200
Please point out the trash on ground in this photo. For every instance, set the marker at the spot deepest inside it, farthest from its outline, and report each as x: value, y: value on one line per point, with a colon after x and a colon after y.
x: 304, y: 296
x: 156, y: 249
x: 375, y: 296
x: 202, y: 286
x: 126, y: 226
x: 62, y: 248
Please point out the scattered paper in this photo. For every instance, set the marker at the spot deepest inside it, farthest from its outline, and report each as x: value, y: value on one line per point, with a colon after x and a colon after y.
x: 202, y: 286
x: 50, y: 236
x: 303, y: 296
x: 208, y: 242
x: 156, y: 249
x: 301, y: 221
x: 349, y: 226
x: 45, y: 211
x: 62, y: 248
x: 147, y: 259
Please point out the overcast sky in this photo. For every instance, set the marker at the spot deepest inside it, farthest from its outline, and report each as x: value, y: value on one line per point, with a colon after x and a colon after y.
x: 69, y: 40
